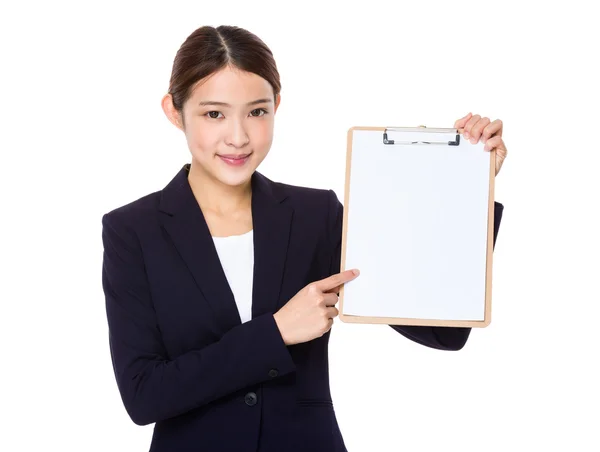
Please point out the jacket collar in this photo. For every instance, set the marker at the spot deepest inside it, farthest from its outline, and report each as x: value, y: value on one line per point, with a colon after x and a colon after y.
x: 185, y: 223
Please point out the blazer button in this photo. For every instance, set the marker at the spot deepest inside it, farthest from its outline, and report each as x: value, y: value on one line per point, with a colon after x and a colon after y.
x: 250, y: 399
x: 273, y: 373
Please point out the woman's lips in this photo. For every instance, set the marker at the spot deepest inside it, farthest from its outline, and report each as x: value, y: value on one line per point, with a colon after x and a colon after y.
x: 235, y: 160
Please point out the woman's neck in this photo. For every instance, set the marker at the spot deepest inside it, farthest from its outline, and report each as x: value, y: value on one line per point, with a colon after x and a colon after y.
x: 218, y: 198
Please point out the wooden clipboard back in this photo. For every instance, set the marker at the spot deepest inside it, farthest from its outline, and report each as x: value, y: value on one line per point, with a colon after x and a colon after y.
x: 490, y: 237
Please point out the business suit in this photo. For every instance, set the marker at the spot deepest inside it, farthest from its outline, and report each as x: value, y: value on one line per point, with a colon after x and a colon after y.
x: 181, y: 356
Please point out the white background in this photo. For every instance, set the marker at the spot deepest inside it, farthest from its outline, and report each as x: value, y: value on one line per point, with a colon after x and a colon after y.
x: 82, y: 132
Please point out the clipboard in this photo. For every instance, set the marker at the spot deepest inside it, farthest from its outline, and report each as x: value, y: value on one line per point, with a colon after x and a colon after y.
x: 418, y: 224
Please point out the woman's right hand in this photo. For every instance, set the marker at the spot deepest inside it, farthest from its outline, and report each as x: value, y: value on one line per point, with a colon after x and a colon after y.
x: 309, y: 314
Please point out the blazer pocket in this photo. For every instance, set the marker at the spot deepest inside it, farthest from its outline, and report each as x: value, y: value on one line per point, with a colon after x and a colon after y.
x: 314, y: 402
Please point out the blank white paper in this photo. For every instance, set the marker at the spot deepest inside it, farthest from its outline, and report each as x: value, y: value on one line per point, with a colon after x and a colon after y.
x: 417, y: 228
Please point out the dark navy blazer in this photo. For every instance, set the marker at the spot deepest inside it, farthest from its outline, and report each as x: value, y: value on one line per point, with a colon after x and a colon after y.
x: 181, y: 356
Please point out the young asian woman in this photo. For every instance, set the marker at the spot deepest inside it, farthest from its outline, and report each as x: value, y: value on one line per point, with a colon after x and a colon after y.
x: 221, y: 288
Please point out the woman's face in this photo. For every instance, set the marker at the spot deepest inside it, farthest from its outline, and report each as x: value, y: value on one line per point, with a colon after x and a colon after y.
x: 230, y: 114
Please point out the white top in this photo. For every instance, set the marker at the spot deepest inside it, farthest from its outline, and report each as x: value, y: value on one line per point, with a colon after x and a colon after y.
x: 236, y: 253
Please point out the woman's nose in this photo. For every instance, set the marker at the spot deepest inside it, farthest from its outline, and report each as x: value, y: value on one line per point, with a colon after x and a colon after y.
x: 237, y: 137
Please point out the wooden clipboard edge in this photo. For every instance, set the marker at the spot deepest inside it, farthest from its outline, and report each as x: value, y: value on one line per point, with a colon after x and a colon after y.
x: 413, y: 322
x: 346, y: 318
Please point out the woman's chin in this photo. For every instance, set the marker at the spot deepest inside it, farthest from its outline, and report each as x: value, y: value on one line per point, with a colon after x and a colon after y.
x: 235, y: 177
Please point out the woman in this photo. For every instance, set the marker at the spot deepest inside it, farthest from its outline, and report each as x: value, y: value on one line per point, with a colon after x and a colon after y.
x: 221, y: 288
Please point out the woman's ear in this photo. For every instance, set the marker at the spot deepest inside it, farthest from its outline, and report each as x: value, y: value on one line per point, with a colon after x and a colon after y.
x: 172, y: 114
x: 277, y: 101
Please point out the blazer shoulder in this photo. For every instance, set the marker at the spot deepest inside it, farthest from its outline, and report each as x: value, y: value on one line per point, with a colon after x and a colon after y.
x: 137, y: 210
x: 303, y: 195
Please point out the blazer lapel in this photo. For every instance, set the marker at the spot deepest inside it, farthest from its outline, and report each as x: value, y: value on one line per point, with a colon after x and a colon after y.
x: 187, y: 228
x: 272, y: 221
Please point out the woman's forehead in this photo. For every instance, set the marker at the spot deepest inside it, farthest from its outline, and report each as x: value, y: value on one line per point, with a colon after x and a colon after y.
x: 231, y: 87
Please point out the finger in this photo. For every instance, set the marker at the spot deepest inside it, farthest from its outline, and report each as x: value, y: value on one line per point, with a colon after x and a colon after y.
x: 332, y: 312
x: 492, y: 143
x: 336, y: 280
x: 460, y: 123
x: 335, y: 290
x: 493, y: 128
x: 470, y: 123
x: 477, y: 129
x: 330, y: 299
x: 329, y: 325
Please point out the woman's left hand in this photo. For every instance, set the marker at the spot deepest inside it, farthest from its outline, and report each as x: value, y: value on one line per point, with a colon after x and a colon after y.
x: 475, y: 128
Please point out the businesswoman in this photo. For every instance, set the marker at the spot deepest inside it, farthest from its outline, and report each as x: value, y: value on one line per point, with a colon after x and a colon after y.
x: 221, y: 287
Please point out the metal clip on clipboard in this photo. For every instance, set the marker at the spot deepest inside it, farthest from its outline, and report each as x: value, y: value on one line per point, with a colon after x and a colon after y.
x: 420, y: 130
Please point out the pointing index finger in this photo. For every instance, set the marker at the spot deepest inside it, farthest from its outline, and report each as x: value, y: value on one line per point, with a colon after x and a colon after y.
x: 337, y: 279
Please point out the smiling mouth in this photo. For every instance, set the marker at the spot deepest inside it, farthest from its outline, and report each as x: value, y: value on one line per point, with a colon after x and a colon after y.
x: 234, y: 157
x: 235, y: 160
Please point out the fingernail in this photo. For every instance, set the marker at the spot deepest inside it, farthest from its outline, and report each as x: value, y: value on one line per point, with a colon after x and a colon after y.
x: 356, y: 272
x: 466, y: 135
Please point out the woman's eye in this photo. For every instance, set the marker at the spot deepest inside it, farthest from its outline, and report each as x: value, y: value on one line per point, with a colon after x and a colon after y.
x: 259, y: 110
x: 255, y: 113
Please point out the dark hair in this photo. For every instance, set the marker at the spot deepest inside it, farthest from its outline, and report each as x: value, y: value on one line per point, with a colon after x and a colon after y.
x: 209, y: 49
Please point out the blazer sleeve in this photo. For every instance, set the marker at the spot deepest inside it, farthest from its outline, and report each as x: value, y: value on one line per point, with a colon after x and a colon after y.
x: 153, y: 387
x: 441, y: 338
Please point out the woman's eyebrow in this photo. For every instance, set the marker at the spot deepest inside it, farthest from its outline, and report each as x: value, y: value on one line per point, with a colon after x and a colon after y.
x: 223, y: 104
